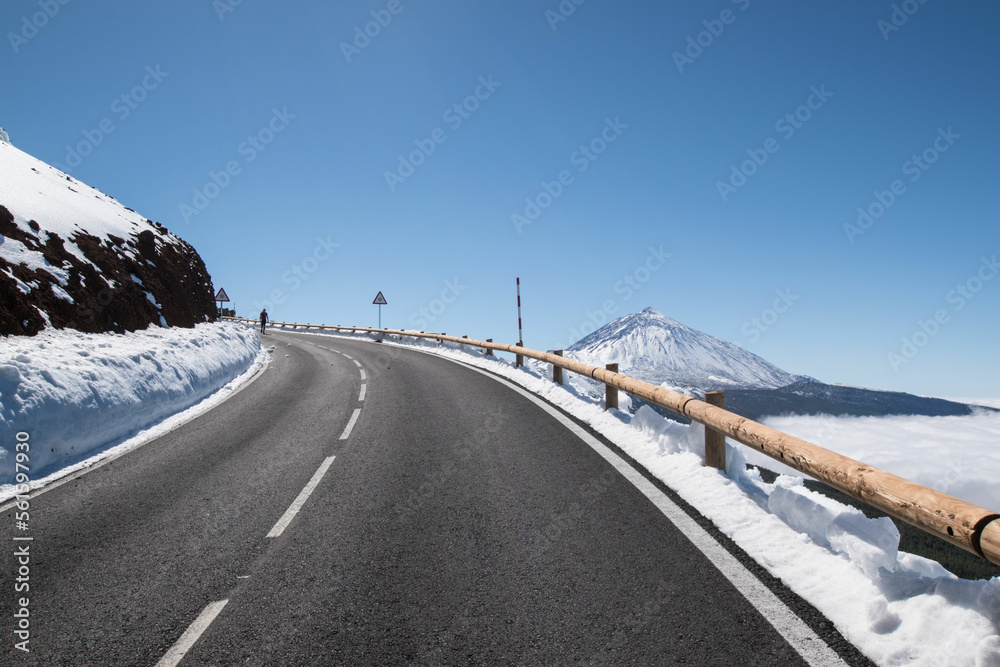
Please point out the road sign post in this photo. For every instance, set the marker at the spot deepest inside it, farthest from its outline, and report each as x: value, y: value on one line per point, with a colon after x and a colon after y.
x: 380, y: 300
x: 520, y: 335
x: 220, y: 299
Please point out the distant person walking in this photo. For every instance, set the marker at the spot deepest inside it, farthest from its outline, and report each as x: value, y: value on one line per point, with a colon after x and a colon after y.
x: 263, y: 320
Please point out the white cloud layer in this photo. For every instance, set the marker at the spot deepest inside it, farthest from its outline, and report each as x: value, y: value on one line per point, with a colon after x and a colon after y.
x: 959, y: 456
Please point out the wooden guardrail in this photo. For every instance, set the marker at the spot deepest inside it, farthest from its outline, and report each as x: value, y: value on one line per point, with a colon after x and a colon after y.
x: 961, y: 523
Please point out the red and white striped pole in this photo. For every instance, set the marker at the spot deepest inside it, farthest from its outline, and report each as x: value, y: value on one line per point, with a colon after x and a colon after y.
x: 520, y: 336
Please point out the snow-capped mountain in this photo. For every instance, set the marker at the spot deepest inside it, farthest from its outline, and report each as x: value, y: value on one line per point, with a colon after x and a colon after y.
x: 73, y: 257
x: 652, y: 347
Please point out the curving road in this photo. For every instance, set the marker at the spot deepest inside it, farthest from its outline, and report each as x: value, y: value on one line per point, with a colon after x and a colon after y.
x: 361, y: 504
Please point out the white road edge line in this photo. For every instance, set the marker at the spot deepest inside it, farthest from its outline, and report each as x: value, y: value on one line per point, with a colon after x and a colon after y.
x: 364, y: 390
x: 301, y: 499
x: 800, y: 636
x: 350, y: 425
x: 191, y: 635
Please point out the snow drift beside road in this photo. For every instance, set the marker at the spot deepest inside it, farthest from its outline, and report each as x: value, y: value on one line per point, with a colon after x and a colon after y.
x: 75, y: 393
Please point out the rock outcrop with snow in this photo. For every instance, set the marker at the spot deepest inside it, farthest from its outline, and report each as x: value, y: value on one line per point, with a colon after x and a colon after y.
x: 73, y: 257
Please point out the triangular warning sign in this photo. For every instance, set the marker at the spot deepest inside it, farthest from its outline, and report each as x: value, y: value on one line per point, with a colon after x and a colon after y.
x: 380, y: 300
x: 222, y: 296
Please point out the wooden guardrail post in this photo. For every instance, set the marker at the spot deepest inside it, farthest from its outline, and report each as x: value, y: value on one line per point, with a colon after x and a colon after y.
x: 489, y: 350
x: 557, y: 370
x: 715, y: 441
x: 610, y: 391
x: 518, y: 360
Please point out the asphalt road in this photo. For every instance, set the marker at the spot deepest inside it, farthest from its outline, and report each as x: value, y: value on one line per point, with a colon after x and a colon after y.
x: 457, y: 522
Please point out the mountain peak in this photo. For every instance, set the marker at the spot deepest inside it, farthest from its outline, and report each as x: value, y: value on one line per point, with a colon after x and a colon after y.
x: 653, y: 347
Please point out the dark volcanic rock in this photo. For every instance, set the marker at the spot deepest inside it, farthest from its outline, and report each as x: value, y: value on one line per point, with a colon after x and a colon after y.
x: 109, y: 292
x: 814, y: 398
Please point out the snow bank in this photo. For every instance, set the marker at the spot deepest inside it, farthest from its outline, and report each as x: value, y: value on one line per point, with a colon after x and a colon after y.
x: 75, y: 393
x: 897, y: 608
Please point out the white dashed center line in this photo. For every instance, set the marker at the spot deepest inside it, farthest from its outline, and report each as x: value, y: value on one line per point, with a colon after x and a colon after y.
x: 303, y: 496
x: 350, y: 425
x: 191, y: 635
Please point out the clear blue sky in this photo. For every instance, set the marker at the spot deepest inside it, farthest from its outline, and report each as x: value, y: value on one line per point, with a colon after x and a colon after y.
x: 309, y: 118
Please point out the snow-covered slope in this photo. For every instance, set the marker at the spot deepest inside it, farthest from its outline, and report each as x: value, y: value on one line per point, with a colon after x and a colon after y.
x: 76, y: 394
x: 73, y: 257
x: 652, y: 347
